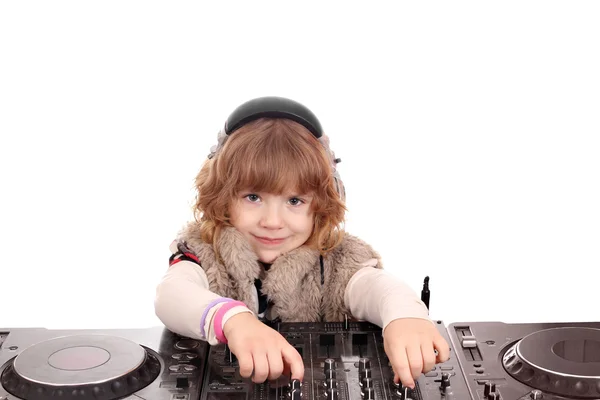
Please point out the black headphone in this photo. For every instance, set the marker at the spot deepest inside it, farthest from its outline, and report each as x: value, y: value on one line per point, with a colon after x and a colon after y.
x: 273, y: 107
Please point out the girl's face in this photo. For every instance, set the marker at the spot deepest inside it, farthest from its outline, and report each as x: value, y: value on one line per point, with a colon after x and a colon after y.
x: 273, y: 224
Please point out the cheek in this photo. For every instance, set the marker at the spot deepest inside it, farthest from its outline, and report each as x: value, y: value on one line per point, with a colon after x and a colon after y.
x: 307, y: 224
x: 235, y: 214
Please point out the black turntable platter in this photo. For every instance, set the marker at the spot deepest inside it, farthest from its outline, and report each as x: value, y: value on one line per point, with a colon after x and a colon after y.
x: 101, y: 367
x: 563, y: 360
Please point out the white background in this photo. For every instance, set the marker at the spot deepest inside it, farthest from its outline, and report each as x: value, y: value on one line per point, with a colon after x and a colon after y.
x: 468, y: 133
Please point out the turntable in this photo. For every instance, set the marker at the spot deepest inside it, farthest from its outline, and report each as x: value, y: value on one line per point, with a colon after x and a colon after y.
x: 41, y: 364
x: 529, y: 361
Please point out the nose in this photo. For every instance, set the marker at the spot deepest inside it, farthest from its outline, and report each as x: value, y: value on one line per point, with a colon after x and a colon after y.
x: 271, y: 217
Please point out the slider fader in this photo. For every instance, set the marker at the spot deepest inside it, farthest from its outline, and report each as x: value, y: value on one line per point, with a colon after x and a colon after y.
x: 342, y: 361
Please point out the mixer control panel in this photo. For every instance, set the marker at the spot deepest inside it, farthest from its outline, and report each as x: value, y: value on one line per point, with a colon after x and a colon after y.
x: 342, y: 361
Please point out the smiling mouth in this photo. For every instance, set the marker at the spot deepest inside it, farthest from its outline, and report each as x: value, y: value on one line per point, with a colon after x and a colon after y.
x: 266, y: 240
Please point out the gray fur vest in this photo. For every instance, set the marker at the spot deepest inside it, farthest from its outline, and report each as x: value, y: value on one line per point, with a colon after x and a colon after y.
x: 292, y: 284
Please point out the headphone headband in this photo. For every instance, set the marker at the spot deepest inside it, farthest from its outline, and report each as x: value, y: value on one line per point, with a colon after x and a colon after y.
x: 273, y: 107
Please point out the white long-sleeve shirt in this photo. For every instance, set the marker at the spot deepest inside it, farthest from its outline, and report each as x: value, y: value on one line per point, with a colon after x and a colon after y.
x: 372, y: 295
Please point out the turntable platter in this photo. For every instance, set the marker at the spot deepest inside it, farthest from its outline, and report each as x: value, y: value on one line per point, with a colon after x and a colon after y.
x: 102, y: 366
x: 563, y: 361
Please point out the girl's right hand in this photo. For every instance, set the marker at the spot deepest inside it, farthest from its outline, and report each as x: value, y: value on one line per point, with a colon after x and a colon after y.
x: 260, y: 350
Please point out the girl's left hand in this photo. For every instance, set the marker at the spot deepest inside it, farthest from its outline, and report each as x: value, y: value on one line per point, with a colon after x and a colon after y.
x: 409, y: 344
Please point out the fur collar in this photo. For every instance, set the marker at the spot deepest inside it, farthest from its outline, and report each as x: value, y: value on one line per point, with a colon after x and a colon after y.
x: 293, y: 283
x: 235, y: 276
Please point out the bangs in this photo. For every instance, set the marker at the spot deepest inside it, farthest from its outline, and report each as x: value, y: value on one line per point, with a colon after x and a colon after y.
x: 281, y: 158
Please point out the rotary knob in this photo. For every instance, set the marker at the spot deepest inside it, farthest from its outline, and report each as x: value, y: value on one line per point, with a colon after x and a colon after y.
x: 329, y: 365
x: 535, y: 394
x: 295, y: 384
x: 369, y: 394
x: 404, y: 392
x: 367, y: 383
x: 330, y: 374
x: 366, y: 373
x: 364, y: 363
x: 296, y: 394
x: 331, y: 383
x: 332, y: 394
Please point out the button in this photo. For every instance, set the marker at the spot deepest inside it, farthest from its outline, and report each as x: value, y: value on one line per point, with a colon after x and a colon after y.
x: 446, y: 367
x: 186, y: 344
x: 431, y: 374
x: 184, y: 356
x: 189, y: 367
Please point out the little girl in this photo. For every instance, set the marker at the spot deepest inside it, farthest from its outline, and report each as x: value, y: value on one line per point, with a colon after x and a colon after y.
x: 267, y: 243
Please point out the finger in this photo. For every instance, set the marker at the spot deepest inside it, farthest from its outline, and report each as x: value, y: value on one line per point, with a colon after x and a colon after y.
x: 286, y: 368
x: 442, y: 348
x: 294, y: 362
x: 401, y: 368
x: 275, y: 364
x: 245, y: 363
x: 261, y: 366
x: 415, y: 359
x: 428, y: 356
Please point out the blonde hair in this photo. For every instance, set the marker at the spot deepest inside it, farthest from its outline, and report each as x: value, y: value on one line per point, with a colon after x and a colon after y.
x: 273, y: 156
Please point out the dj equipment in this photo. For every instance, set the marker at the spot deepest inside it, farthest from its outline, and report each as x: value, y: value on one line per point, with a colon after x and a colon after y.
x: 343, y: 361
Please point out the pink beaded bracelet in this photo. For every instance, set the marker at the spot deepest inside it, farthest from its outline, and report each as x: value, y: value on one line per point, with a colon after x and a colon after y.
x: 218, y: 321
